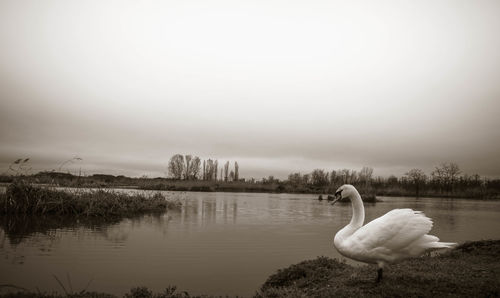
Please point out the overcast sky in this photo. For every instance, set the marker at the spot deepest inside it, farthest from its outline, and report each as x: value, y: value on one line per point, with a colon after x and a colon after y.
x: 279, y: 86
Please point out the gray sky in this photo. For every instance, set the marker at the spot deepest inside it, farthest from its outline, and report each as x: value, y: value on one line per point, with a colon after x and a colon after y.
x: 279, y: 86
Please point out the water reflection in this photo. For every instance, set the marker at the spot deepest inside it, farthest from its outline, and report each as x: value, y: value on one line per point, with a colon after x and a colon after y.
x: 218, y: 243
x: 20, y: 228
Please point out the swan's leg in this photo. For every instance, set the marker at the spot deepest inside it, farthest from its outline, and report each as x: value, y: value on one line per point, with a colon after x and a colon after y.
x: 379, y: 274
x: 379, y: 271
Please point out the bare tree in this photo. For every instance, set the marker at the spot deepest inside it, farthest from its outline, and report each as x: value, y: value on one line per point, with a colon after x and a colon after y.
x: 236, y: 171
x: 226, y: 171
x: 319, y: 177
x: 194, y: 168
x: 210, y: 171
x: 176, y: 166
x: 345, y: 175
x: 204, y: 170
x: 306, y: 179
x: 334, y: 178
x: 392, y: 180
x: 295, y: 179
x: 187, y: 173
x: 416, y: 177
x: 446, y: 175
x: 365, y: 175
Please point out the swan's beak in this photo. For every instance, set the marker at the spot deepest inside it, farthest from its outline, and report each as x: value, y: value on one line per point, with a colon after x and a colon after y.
x: 338, y: 196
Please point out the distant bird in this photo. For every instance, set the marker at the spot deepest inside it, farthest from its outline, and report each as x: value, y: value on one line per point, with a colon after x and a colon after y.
x: 395, y: 236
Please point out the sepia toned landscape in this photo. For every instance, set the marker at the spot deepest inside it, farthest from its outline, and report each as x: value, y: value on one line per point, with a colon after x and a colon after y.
x: 249, y: 148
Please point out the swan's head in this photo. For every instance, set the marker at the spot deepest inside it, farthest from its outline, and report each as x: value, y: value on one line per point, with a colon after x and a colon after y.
x: 344, y: 191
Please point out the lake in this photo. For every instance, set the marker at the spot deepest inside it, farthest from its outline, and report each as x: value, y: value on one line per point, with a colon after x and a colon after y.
x: 218, y: 243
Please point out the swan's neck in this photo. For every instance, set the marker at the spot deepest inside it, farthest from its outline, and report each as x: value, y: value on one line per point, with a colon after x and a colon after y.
x: 358, y: 211
x: 357, y: 220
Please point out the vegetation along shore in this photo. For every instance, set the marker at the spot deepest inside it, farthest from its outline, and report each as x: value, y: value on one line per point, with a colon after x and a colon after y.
x: 22, y: 198
x: 190, y: 173
x: 470, y: 270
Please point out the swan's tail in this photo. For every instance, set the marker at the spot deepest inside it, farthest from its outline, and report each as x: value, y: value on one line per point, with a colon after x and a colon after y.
x: 433, y: 242
x: 444, y: 244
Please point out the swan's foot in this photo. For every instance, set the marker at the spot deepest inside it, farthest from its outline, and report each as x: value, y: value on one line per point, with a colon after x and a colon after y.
x: 379, y: 275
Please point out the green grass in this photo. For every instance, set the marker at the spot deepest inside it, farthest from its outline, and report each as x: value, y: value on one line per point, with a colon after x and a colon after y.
x: 23, y: 198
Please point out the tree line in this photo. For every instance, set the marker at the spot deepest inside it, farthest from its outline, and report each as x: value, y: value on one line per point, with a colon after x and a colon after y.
x: 445, y: 178
x: 189, y: 167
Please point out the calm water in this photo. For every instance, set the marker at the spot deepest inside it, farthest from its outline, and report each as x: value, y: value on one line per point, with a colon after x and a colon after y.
x: 219, y: 243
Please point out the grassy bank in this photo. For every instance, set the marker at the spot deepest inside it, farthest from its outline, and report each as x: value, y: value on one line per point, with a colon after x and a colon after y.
x: 470, y: 270
x: 23, y: 198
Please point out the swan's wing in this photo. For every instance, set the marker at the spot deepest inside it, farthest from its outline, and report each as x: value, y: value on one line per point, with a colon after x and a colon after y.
x: 393, y: 231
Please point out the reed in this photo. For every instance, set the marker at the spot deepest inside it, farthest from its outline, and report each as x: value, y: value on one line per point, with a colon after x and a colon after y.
x: 23, y: 198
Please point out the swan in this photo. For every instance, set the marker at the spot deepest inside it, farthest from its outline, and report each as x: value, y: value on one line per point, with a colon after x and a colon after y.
x: 395, y: 236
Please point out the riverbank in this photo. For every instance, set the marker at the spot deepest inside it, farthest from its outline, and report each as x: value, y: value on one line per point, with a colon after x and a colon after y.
x: 485, y: 190
x: 470, y: 270
x: 368, y: 195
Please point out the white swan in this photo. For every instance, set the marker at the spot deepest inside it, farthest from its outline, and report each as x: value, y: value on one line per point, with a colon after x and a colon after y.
x: 397, y: 235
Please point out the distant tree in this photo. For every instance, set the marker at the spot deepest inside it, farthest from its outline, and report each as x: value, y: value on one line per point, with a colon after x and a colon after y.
x: 365, y: 175
x: 176, y: 166
x: 231, y: 176
x: 354, y: 177
x: 392, y: 180
x: 204, y: 171
x: 319, y: 178
x: 187, y: 168
x: 345, y: 175
x: 216, y: 165
x: 226, y: 171
x: 236, y: 171
x: 334, y: 178
x: 306, y: 179
x: 194, y: 168
x: 295, y: 179
x: 452, y: 172
x: 446, y: 175
x: 207, y: 170
x: 416, y: 177
x: 269, y: 180
x: 213, y: 170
